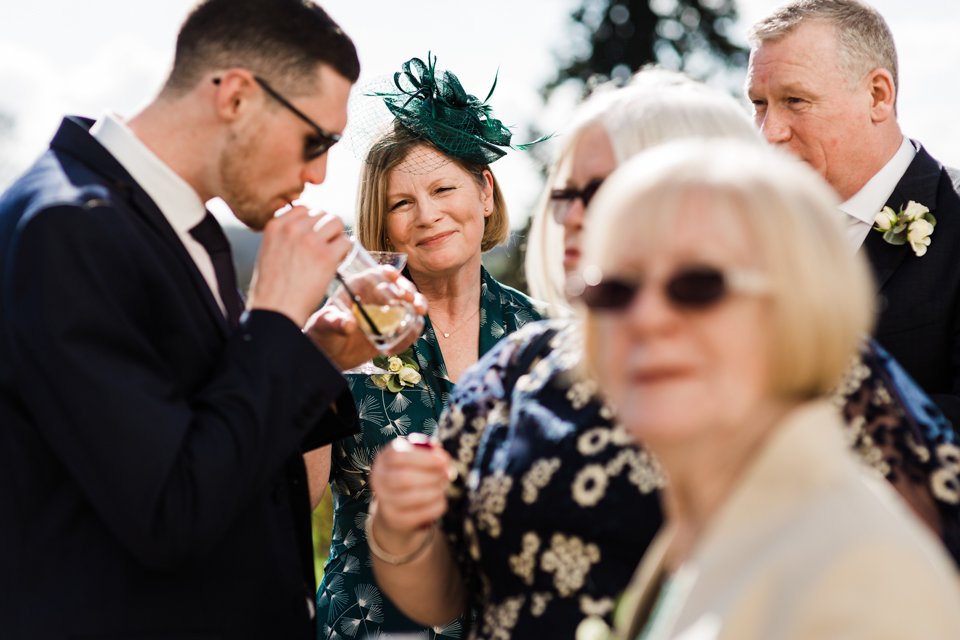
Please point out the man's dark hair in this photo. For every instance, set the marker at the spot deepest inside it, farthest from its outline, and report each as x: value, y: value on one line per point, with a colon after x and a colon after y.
x: 281, y: 40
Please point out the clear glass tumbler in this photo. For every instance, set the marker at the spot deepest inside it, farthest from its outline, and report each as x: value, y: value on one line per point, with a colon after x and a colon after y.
x: 362, y: 288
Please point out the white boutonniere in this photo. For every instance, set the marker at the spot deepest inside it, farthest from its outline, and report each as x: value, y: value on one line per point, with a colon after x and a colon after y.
x: 914, y: 224
x: 402, y: 371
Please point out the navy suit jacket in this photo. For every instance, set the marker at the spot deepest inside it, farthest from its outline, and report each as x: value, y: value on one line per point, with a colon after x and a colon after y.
x: 919, y: 297
x: 151, y: 478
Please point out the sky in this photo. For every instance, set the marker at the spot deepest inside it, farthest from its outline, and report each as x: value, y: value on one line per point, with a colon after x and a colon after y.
x: 64, y: 56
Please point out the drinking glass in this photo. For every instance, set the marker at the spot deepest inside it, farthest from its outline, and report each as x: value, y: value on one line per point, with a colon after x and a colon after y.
x: 362, y: 288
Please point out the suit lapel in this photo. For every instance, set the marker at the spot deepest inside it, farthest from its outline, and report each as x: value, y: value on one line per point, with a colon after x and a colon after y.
x: 919, y: 184
x: 73, y: 138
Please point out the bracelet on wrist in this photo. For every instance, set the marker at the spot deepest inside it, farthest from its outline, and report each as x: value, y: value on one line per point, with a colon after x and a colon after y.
x: 391, y: 558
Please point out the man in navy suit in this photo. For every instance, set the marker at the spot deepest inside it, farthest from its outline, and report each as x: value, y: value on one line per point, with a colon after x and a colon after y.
x: 823, y: 83
x: 151, y: 429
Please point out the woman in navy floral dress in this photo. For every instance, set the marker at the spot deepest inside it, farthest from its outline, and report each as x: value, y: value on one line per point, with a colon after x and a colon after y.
x: 551, y: 508
x: 552, y: 505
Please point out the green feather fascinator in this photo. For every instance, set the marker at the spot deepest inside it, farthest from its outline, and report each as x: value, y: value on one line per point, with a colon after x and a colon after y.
x: 437, y: 108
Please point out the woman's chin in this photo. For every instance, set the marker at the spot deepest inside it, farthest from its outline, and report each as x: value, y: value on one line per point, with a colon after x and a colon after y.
x: 440, y: 263
x: 658, y: 419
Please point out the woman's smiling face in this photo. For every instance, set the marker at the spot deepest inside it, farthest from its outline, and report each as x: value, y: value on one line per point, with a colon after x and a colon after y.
x: 437, y: 217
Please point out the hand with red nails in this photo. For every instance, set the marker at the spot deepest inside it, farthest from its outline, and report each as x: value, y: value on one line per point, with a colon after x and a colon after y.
x: 409, y: 481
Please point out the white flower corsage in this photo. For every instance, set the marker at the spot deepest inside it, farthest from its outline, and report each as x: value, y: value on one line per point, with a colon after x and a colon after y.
x: 402, y: 371
x: 914, y: 224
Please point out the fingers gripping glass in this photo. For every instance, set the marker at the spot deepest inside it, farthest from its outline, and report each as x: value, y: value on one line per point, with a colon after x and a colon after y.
x: 561, y: 200
x: 396, y: 260
x: 362, y: 289
x: 315, y: 145
x: 689, y: 288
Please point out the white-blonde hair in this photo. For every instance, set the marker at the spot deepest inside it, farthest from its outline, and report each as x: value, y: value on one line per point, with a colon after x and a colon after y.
x: 821, y: 292
x: 657, y: 106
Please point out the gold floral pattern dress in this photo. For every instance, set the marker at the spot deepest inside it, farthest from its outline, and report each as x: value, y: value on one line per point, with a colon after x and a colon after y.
x: 900, y: 432
x: 553, y: 505
x: 349, y: 602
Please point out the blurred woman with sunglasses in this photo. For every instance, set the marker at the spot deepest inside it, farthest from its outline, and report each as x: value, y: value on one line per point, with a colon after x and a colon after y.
x: 552, y: 506
x: 719, y: 338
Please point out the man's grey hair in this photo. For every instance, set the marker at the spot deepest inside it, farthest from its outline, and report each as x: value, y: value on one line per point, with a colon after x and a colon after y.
x: 865, y: 40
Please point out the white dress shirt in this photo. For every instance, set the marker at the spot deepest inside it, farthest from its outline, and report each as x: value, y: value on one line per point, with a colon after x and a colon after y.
x: 176, y: 199
x: 864, y: 205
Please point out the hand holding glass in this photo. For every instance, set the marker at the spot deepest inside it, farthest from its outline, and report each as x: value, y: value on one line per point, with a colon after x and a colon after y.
x: 363, y: 289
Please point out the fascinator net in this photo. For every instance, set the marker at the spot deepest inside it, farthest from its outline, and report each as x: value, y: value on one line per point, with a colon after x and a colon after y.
x: 434, y: 107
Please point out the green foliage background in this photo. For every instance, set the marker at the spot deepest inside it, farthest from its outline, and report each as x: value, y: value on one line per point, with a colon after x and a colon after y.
x: 322, y: 528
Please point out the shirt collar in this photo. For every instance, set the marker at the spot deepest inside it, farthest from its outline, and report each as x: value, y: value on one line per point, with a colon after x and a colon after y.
x: 176, y: 199
x: 865, y: 204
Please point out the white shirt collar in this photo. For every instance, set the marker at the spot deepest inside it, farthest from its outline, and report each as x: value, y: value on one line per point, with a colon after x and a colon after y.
x: 176, y: 199
x: 865, y: 204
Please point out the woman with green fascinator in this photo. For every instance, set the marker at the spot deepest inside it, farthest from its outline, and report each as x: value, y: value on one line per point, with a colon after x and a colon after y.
x: 427, y: 190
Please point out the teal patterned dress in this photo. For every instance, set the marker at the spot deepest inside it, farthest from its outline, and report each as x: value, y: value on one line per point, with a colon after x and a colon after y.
x: 349, y: 603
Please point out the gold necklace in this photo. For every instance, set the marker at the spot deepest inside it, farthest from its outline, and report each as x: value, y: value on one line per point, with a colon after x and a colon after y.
x: 447, y: 334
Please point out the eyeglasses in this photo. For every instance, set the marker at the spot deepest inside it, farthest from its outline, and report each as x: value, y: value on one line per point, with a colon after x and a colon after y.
x: 688, y: 288
x: 314, y: 146
x: 561, y: 200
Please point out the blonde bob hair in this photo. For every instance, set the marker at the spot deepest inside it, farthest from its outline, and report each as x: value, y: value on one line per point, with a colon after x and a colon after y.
x: 384, y: 156
x: 821, y: 292
x: 656, y: 107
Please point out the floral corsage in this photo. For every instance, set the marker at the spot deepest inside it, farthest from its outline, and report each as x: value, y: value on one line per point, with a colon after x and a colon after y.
x: 402, y: 372
x: 914, y: 224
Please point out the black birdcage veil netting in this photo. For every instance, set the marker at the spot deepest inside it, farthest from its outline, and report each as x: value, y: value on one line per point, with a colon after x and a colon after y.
x: 434, y: 107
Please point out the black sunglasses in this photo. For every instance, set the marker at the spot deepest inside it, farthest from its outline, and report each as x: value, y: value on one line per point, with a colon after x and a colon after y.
x: 561, y: 200
x: 689, y: 288
x: 314, y: 146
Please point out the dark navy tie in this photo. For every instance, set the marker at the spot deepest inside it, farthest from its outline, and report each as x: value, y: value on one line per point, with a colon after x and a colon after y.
x: 211, y: 236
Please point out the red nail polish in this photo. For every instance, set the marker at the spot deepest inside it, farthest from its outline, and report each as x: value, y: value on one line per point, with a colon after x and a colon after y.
x: 420, y: 440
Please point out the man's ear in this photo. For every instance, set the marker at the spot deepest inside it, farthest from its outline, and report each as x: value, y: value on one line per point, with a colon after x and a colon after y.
x: 233, y: 91
x: 883, y: 95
